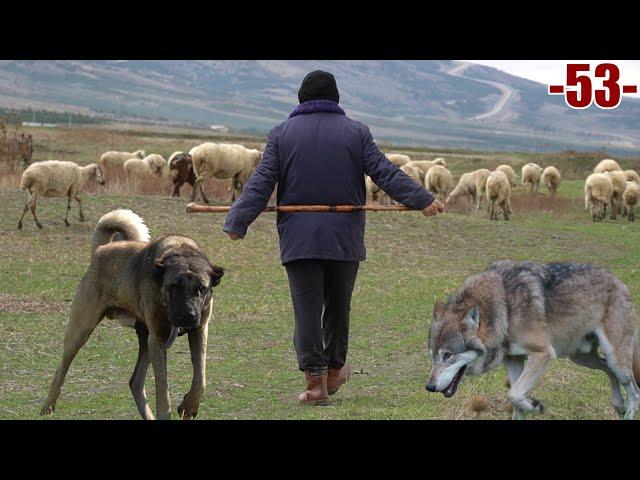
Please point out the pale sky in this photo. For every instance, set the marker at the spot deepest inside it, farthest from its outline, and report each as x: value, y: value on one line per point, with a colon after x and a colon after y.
x: 552, y: 72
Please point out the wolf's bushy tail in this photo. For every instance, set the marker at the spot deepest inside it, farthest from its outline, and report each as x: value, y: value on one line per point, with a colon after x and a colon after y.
x: 124, y: 222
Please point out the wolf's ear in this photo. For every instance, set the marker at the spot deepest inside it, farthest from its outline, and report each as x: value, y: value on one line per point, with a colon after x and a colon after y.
x: 216, y: 274
x: 472, y: 319
x: 438, y: 310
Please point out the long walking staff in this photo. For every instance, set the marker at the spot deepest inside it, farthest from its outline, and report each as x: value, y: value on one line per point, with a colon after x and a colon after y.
x: 195, y: 208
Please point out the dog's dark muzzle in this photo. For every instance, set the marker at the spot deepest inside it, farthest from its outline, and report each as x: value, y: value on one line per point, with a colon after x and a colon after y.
x: 187, y: 321
x: 430, y: 387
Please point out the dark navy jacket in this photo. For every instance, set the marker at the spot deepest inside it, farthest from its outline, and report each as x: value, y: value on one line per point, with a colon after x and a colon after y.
x: 320, y: 156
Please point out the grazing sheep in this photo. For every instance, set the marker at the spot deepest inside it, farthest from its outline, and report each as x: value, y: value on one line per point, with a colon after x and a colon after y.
x: 144, y: 167
x: 531, y: 173
x: 481, y: 175
x: 398, y: 159
x: 597, y: 193
x: 423, y: 166
x: 498, y: 194
x: 551, y: 178
x: 619, y: 183
x: 181, y: 172
x: 54, y: 178
x: 439, y: 181
x: 376, y: 193
x: 117, y: 159
x: 466, y: 187
x: 510, y: 173
x: 632, y: 176
x: 173, y: 155
x: 630, y: 199
x: 439, y: 161
x: 607, y: 165
x: 224, y: 161
x: 412, y: 172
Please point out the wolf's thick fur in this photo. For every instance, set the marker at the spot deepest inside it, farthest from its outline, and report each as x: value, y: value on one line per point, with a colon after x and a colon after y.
x: 526, y: 310
x: 161, y: 288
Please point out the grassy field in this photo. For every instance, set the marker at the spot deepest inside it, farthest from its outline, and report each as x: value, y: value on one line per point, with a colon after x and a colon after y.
x: 251, y: 370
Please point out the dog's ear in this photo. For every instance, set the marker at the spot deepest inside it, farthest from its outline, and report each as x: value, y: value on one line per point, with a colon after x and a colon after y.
x: 471, y: 319
x: 216, y: 274
x: 438, y: 310
x: 158, y: 267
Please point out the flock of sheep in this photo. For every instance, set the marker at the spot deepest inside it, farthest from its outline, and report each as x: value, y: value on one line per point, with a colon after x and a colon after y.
x: 52, y: 178
x: 610, y: 185
x: 495, y: 186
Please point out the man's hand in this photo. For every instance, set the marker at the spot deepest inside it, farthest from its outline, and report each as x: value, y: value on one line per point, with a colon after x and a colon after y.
x: 435, y: 208
x: 233, y: 236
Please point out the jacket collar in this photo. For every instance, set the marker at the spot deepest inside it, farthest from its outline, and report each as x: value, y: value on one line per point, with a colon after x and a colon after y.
x: 314, y: 106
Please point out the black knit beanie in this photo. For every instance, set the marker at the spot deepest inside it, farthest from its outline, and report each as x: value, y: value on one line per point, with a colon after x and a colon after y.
x: 318, y: 85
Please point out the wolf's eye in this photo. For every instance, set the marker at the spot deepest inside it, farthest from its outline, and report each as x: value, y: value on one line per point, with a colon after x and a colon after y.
x: 446, y: 356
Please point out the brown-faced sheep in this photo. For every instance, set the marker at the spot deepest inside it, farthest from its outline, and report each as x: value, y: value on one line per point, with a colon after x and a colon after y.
x: 607, y: 165
x: 498, y: 193
x: 145, y: 167
x: 630, y: 200
x: 551, y: 178
x: 117, y: 159
x: 439, y: 181
x: 619, y: 183
x: 509, y: 172
x: 531, y: 173
x: 223, y: 161
x: 632, y: 176
x: 54, y: 178
x: 597, y: 194
x: 181, y: 172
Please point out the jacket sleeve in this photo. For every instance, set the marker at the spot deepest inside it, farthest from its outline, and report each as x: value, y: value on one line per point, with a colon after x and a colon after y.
x: 397, y: 184
x: 257, y: 191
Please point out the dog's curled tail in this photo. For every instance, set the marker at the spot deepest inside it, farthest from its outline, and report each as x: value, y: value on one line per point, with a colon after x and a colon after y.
x: 124, y: 222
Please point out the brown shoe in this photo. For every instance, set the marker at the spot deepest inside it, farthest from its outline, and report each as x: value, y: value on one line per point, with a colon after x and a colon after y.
x: 336, y: 378
x: 316, y: 392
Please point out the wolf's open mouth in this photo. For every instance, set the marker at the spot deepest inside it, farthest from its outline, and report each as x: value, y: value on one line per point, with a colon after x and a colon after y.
x: 453, y: 386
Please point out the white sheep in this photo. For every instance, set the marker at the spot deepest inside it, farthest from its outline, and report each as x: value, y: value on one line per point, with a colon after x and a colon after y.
x: 466, y: 187
x: 509, y: 172
x: 630, y: 200
x: 551, y: 178
x: 398, y: 159
x: 481, y: 175
x: 439, y: 181
x: 375, y: 192
x: 498, y: 193
x: 531, y: 173
x: 223, y: 161
x: 632, y: 176
x: 147, y: 166
x: 597, y: 193
x: 439, y: 161
x: 54, y: 178
x: 423, y: 166
x: 607, y: 165
x: 619, y: 183
x: 412, y: 172
x: 117, y: 159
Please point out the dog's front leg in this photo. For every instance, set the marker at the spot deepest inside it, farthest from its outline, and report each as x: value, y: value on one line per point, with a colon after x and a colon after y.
x: 188, y: 409
x: 514, y: 366
x: 536, y: 364
x: 158, y: 354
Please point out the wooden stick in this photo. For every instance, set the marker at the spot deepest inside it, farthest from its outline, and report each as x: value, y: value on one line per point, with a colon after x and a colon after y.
x: 195, y: 208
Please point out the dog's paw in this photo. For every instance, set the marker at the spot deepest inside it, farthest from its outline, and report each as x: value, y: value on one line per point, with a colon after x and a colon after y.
x: 47, y: 410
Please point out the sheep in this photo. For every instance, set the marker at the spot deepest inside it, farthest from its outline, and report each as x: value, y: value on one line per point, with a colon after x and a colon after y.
x: 398, y: 159
x: 481, y: 175
x: 412, y: 172
x: 376, y: 193
x: 597, y: 193
x: 423, y: 166
x: 439, y: 181
x: 466, y: 187
x: 224, y: 161
x: 151, y: 164
x: 181, y: 172
x: 439, y: 161
x: 498, y: 193
x: 531, y: 173
x: 509, y: 172
x: 607, y: 165
x: 551, y: 178
x: 630, y: 199
x: 117, y: 159
x: 54, y: 178
x: 632, y: 176
x: 619, y: 183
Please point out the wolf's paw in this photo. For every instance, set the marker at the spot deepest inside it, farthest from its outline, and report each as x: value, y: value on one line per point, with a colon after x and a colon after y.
x: 537, y: 406
x: 47, y: 410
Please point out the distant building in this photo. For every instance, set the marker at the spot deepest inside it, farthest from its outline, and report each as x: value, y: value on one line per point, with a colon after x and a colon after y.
x: 219, y: 128
x: 38, y: 124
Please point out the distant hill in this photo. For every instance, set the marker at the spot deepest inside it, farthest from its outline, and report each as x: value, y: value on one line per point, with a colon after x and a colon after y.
x: 438, y: 103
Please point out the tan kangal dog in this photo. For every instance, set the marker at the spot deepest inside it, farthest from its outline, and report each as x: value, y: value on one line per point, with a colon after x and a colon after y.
x: 517, y: 311
x: 161, y: 288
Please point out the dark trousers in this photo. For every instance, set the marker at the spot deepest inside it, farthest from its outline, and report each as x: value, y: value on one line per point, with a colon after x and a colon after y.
x: 321, y: 294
